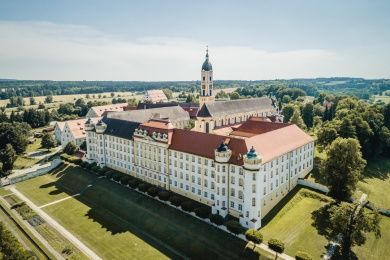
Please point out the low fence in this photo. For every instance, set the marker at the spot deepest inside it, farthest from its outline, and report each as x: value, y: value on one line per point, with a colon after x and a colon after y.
x: 40, y: 170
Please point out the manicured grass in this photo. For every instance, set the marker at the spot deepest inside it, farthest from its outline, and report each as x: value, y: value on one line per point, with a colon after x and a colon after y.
x: 122, y: 224
x: 64, y: 181
x: 4, y: 192
x: 376, y: 249
x: 376, y: 182
x: 23, y: 162
x: 293, y: 224
x: 34, y: 146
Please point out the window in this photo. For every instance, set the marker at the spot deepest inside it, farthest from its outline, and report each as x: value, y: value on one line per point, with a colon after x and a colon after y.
x: 253, y: 202
x: 232, y: 192
x: 241, y: 182
x: 193, y: 190
x: 240, y: 195
x: 254, y: 177
x: 232, y: 180
x: 239, y: 207
x: 265, y: 191
x: 232, y: 204
x: 253, y: 188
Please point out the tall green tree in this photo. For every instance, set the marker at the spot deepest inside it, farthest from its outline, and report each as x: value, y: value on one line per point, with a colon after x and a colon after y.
x: 308, y: 114
x: 353, y: 222
x: 297, y: 119
x: 8, y: 157
x: 343, y: 167
x: 48, y: 141
x: 70, y: 148
x: 49, y: 99
x: 347, y: 129
x: 288, y: 111
x: 15, y: 134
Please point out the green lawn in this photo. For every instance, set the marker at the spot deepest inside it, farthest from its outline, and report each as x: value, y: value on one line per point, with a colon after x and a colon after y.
x: 34, y: 146
x: 121, y: 224
x: 376, y: 249
x: 23, y: 162
x: 293, y: 225
x: 376, y: 182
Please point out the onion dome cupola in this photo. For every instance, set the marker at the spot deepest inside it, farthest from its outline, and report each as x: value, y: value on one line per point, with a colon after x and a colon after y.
x: 223, y: 153
x: 89, y: 125
x: 252, y: 160
x: 100, y: 127
x: 207, y: 64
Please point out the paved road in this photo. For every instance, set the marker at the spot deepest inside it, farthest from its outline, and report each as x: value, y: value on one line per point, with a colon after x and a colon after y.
x: 83, y: 248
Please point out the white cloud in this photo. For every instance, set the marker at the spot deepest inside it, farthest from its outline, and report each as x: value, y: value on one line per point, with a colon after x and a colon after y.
x: 41, y: 50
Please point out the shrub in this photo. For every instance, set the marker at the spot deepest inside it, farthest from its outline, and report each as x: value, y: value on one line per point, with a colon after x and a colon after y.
x: 117, y: 176
x: 108, y: 174
x: 254, y: 235
x: 133, y: 183
x: 202, y: 212
x: 187, y: 206
x: 300, y: 255
x: 102, y: 171
x: 234, y: 227
x: 217, y: 219
x: 91, y: 165
x: 276, y: 245
x: 143, y: 187
x: 95, y: 168
x: 176, y: 201
x: 84, y: 164
x: 125, y: 180
x: 152, y: 191
x: 70, y: 148
x: 164, y: 195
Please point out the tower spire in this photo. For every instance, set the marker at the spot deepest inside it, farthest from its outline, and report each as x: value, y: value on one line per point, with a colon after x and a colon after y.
x: 207, y: 51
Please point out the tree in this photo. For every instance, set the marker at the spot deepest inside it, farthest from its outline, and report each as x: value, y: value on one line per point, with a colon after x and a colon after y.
x: 326, y: 135
x: 49, y: 99
x: 386, y: 115
x: 234, y: 96
x: 8, y: 157
x: 343, y: 167
x: 168, y: 93
x: 297, y: 119
x: 48, y: 141
x: 83, y: 146
x: 15, y: 134
x: 347, y: 129
x: 288, y: 111
x: 112, y: 94
x: 353, y: 221
x: 32, y: 101
x: 308, y: 114
x: 191, y: 99
x: 221, y: 94
x: 254, y: 235
x: 70, y: 148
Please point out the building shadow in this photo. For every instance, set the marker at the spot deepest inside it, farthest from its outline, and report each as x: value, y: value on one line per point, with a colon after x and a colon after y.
x: 170, y: 231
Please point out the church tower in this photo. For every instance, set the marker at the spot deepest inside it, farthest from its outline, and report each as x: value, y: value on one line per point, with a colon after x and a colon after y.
x: 206, y: 88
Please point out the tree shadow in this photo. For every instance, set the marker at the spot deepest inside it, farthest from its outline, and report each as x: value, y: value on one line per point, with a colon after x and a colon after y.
x: 321, y: 221
x: 377, y: 168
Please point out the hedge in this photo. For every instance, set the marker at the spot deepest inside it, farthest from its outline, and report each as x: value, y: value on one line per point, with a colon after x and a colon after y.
x: 152, y: 191
x: 117, y: 176
x: 164, y: 195
x: 143, y: 187
x: 187, y: 206
x: 108, y: 174
x: 91, y: 165
x: 202, y: 212
x: 234, y: 227
x: 102, y: 171
x: 300, y: 255
x: 125, y: 180
x: 176, y: 201
x: 217, y: 219
x: 95, y: 168
x: 133, y: 183
x: 83, y: 164
x: 254, y: 235
x: 276, y: 245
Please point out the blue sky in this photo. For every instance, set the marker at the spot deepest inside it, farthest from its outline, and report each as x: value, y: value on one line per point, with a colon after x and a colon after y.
x: 165, y: 40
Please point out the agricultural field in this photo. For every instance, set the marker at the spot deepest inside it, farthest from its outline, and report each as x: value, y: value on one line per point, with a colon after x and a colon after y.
x: 118, y: 223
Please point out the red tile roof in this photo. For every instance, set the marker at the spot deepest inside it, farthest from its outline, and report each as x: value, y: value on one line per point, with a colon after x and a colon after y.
x: 255, y: 126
